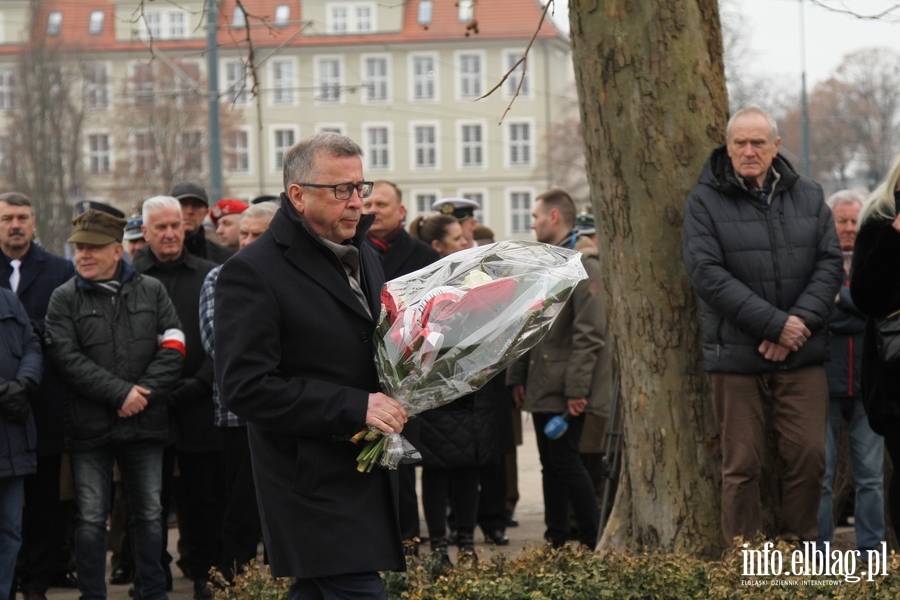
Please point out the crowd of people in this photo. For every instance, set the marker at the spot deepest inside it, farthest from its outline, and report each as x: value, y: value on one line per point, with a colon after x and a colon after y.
x: 245, y: 365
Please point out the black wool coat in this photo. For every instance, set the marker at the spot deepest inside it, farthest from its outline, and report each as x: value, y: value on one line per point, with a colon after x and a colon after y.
x: 295, y: 358
x: 406, y: 254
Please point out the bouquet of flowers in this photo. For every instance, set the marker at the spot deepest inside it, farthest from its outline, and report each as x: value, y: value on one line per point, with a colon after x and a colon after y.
x: 445, y: 330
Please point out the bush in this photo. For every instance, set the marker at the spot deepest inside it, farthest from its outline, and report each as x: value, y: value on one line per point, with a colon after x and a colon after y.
x: 571, y: 574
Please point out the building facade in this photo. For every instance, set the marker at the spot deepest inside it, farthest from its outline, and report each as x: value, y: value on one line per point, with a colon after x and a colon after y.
x: 402, y: 79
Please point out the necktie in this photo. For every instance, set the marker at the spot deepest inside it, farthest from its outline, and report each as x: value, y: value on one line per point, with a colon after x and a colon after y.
x: 16, y: 275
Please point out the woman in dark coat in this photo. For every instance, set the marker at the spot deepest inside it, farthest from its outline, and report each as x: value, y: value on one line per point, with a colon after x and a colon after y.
x: 875, y: 288
x: 457, y: 438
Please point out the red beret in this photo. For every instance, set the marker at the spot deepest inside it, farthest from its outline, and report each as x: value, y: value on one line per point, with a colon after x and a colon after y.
x: 226, y: 207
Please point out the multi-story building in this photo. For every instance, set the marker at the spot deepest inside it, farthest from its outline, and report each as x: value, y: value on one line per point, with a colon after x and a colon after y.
x: 402, y: 78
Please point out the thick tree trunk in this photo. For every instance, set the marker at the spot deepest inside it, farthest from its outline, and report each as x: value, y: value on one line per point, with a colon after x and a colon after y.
x: 653, y: 102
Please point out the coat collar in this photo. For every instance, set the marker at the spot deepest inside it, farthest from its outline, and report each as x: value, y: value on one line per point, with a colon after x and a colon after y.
x: 299, y: 242
x: 33, y: 263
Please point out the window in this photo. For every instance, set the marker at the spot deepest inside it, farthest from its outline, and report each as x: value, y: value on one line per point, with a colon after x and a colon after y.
x: 424, y: 202
x: 512, y: 82
x: 425, y: 10
x: 519, y: 148
x: 188, y: 90
x: 472, y: 146
x: 284, y: 139
x: 4, y: 156
x: 469, y: 75
x: 144, y: 152
x: 363, y: 19
x: 96, y: 89
x: 330, y: 128
x: 479, y: 198
x: 154, y: 24
x: 237, y: 152
x: 329, y: 85
x: 142, y: 84
x: 96, y: 23
x: 338, y: 20
x: 376, y: 79
x: 238, y: 17
x: 236, y: 81
x: 176, y: 26
x: 98, y: 154
x: 423, y: 77
x: 378, y: 147
x: 282, y: 14
x: 466, y: 10
x: 425, y: 146
x: 7, y: 89
x: 282, y: 82
x: 520, y: 212
x: 54, y: 23
x: 191, y: 158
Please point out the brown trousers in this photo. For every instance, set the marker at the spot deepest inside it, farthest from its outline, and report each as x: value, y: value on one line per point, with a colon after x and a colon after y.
x: 796, y: 404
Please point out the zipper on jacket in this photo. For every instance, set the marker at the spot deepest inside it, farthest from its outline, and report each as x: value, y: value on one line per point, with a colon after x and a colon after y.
x: 787, y: 241
x: 778, y: 293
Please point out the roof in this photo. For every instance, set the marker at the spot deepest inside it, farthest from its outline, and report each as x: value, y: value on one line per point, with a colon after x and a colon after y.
x: 493, y: 20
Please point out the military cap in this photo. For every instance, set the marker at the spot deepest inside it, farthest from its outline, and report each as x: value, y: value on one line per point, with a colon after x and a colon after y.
x: 85, y: 205
x: 461, y: 208
x: 96, y: 227
x: 584, y: 224
x: 226, y: 207
x: 265, y: 198
x: 133, y: 229
x: 189, y: 189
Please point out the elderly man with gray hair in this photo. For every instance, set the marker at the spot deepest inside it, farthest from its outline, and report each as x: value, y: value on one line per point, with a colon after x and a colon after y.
x: 847, y: 325
x: 760, y: 249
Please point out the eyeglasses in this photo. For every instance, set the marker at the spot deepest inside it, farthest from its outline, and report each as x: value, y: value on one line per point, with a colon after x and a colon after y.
x: 344, y: 191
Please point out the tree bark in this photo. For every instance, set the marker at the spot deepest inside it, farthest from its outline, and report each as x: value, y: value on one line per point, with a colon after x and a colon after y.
x: 654, y: 104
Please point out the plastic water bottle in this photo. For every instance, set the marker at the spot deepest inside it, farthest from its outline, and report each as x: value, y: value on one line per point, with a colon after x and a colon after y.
x: 557, y: 426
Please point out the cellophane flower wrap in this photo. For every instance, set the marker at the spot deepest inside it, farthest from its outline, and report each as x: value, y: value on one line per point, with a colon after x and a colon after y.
x: 445, y: 330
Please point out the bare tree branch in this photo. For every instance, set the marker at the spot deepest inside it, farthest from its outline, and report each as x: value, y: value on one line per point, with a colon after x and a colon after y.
x: 843, y: 9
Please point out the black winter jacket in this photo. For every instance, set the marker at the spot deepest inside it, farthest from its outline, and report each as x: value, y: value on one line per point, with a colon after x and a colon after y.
x: 846, y: 325
x: 102, y: 346
x: 191, y: 402
x: 754, y: 265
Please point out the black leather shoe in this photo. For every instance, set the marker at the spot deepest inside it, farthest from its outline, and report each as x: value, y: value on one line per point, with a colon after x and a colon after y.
x: 496, y: 537
x: 511, y: 521
x: 65, y: 579
x: 120, y: 576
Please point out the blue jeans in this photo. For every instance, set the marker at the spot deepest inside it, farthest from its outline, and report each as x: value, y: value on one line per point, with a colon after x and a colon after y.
x: 141, y: 467
x: 867, y: 459
x: 12, y: 492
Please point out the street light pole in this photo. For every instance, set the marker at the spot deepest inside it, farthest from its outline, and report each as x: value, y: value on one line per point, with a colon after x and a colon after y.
x: 212, y: 69
x: 804, y: 104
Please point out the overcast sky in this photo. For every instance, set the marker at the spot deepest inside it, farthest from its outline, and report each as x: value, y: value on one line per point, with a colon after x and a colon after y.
x: 773, y: 29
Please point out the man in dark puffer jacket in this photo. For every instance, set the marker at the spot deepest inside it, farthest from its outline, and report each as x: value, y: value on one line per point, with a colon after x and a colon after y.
x: 116, y: 340
x: 761, y: 252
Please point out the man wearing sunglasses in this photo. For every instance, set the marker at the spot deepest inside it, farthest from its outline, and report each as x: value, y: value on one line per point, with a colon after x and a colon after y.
x: 294, y: 327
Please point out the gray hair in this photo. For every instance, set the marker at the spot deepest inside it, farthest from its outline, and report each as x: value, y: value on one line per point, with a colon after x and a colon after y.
x: 845, y: 197
x: 15, y: 199
x: 155, y: 203
x: 300, y: 159
x: 753, y: 110
x: 263, y: 210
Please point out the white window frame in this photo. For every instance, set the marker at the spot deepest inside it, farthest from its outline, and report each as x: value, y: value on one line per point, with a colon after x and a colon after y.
x: 317, y: 79
x: 481, y: 214
x: 137, y: 96
x: 507, y: 198
x: 435, y: 80
x: 482, y: 63
x: 414, y: 202
x: 176, y: 31
x: 89, y: 154
x: 275, y: 166
x: 238, y: 19
x: 351, y: 20
x: 370, y: 151
x: 413, y: 145
x: 460, y: 146
x: 282, y: 15
x: 163, y: 26
x: 507, y: 144
x: 227, y: 149
x: 132, y: 143
x: 7, y: 88
x: 103, y: 89
x: 384, y: 80
x: 466, y: 10
x: 236, y: 94
x: 182, y: 87
x: 54, y: 23
x: 509, y: 86
x: 357, y: 21
x: 340, y: 127
x: 96, y: 21
x: 285, y: 88
x: 182, y: 161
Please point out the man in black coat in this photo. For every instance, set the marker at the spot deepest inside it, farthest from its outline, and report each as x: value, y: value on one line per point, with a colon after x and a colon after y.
x: 198, y: 442
x: 761, y: 251
x: 294, y: 325
x: 400, y: 254
x: 39, y: 273
x: 195, y: 206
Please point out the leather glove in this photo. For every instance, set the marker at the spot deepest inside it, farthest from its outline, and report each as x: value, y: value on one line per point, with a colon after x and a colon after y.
x: 188, y: 390
x: 14, y: 404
